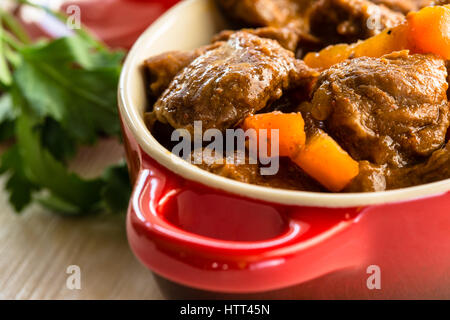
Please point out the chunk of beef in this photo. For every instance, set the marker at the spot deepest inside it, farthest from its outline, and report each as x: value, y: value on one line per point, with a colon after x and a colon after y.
x: 240, y: 170
x: 336, y: 21
x: 406, y: 6
x: 224, y: 85
x: 436, y: 168
x: 378, y: 178
x: 289, y: 176
x: 288, y: 37
x: 286, y: 21
x: 161, y: 69
x: 267, y: 13
x: 370, y: 178
x: 390, y: 110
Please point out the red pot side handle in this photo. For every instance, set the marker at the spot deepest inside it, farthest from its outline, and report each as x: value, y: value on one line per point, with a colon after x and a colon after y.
x: 209, y: 239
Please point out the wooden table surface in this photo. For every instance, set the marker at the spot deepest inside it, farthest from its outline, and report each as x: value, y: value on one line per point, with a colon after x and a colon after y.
x: 37, y: 246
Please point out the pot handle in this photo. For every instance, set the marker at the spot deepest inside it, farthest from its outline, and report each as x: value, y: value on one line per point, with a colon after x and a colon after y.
x: 188, y: 232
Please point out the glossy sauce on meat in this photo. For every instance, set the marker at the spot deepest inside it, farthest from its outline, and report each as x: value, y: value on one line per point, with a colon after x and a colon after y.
x: 390, y: 110
x: 336, y: 21
x: 224, y: 85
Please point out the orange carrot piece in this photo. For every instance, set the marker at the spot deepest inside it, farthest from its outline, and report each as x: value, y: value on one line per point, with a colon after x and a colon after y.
x: 388, y: 41
x: 290, y: 125
x: 329, y: 56
x: 430, y: 30
x: 424, y: 31
x: 324, y: 160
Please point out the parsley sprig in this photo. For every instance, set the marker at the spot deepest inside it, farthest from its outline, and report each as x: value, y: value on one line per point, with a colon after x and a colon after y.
x: 56, y: 96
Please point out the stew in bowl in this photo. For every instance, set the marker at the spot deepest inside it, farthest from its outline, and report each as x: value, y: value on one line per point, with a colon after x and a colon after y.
x: 371, y: 115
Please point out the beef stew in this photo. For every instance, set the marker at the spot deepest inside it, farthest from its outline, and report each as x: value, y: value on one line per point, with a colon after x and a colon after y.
x: 371, y: 122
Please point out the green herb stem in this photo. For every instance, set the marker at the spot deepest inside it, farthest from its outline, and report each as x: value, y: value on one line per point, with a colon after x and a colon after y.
x: 12, y: 24
x: 11, y: 40
x: 5, y: 73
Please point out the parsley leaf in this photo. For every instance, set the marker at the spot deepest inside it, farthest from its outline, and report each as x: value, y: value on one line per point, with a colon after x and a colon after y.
x: 19, y: 187
x: 43, y: 169
x: 65, y: 80
x: 58, y: 95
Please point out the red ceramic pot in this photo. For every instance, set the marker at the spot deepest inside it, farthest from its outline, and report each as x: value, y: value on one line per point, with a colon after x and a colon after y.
x: 212, y: 233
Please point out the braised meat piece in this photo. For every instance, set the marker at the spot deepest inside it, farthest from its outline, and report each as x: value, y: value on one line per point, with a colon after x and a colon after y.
x: 224, y: 85
x: 440, y: 2
x: 436, y: 168
x: 406, y: 6
x: 390, y: 110
x: 267, y: 13
x: 331, y: 21
x: 336, y: 21
x: 379, y: 178
x: 287, y: 37
x: 371, y: 177
x: 288, y: 176
x: 161, y: 69
x: 240, y: 170
x: 286, y: 21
